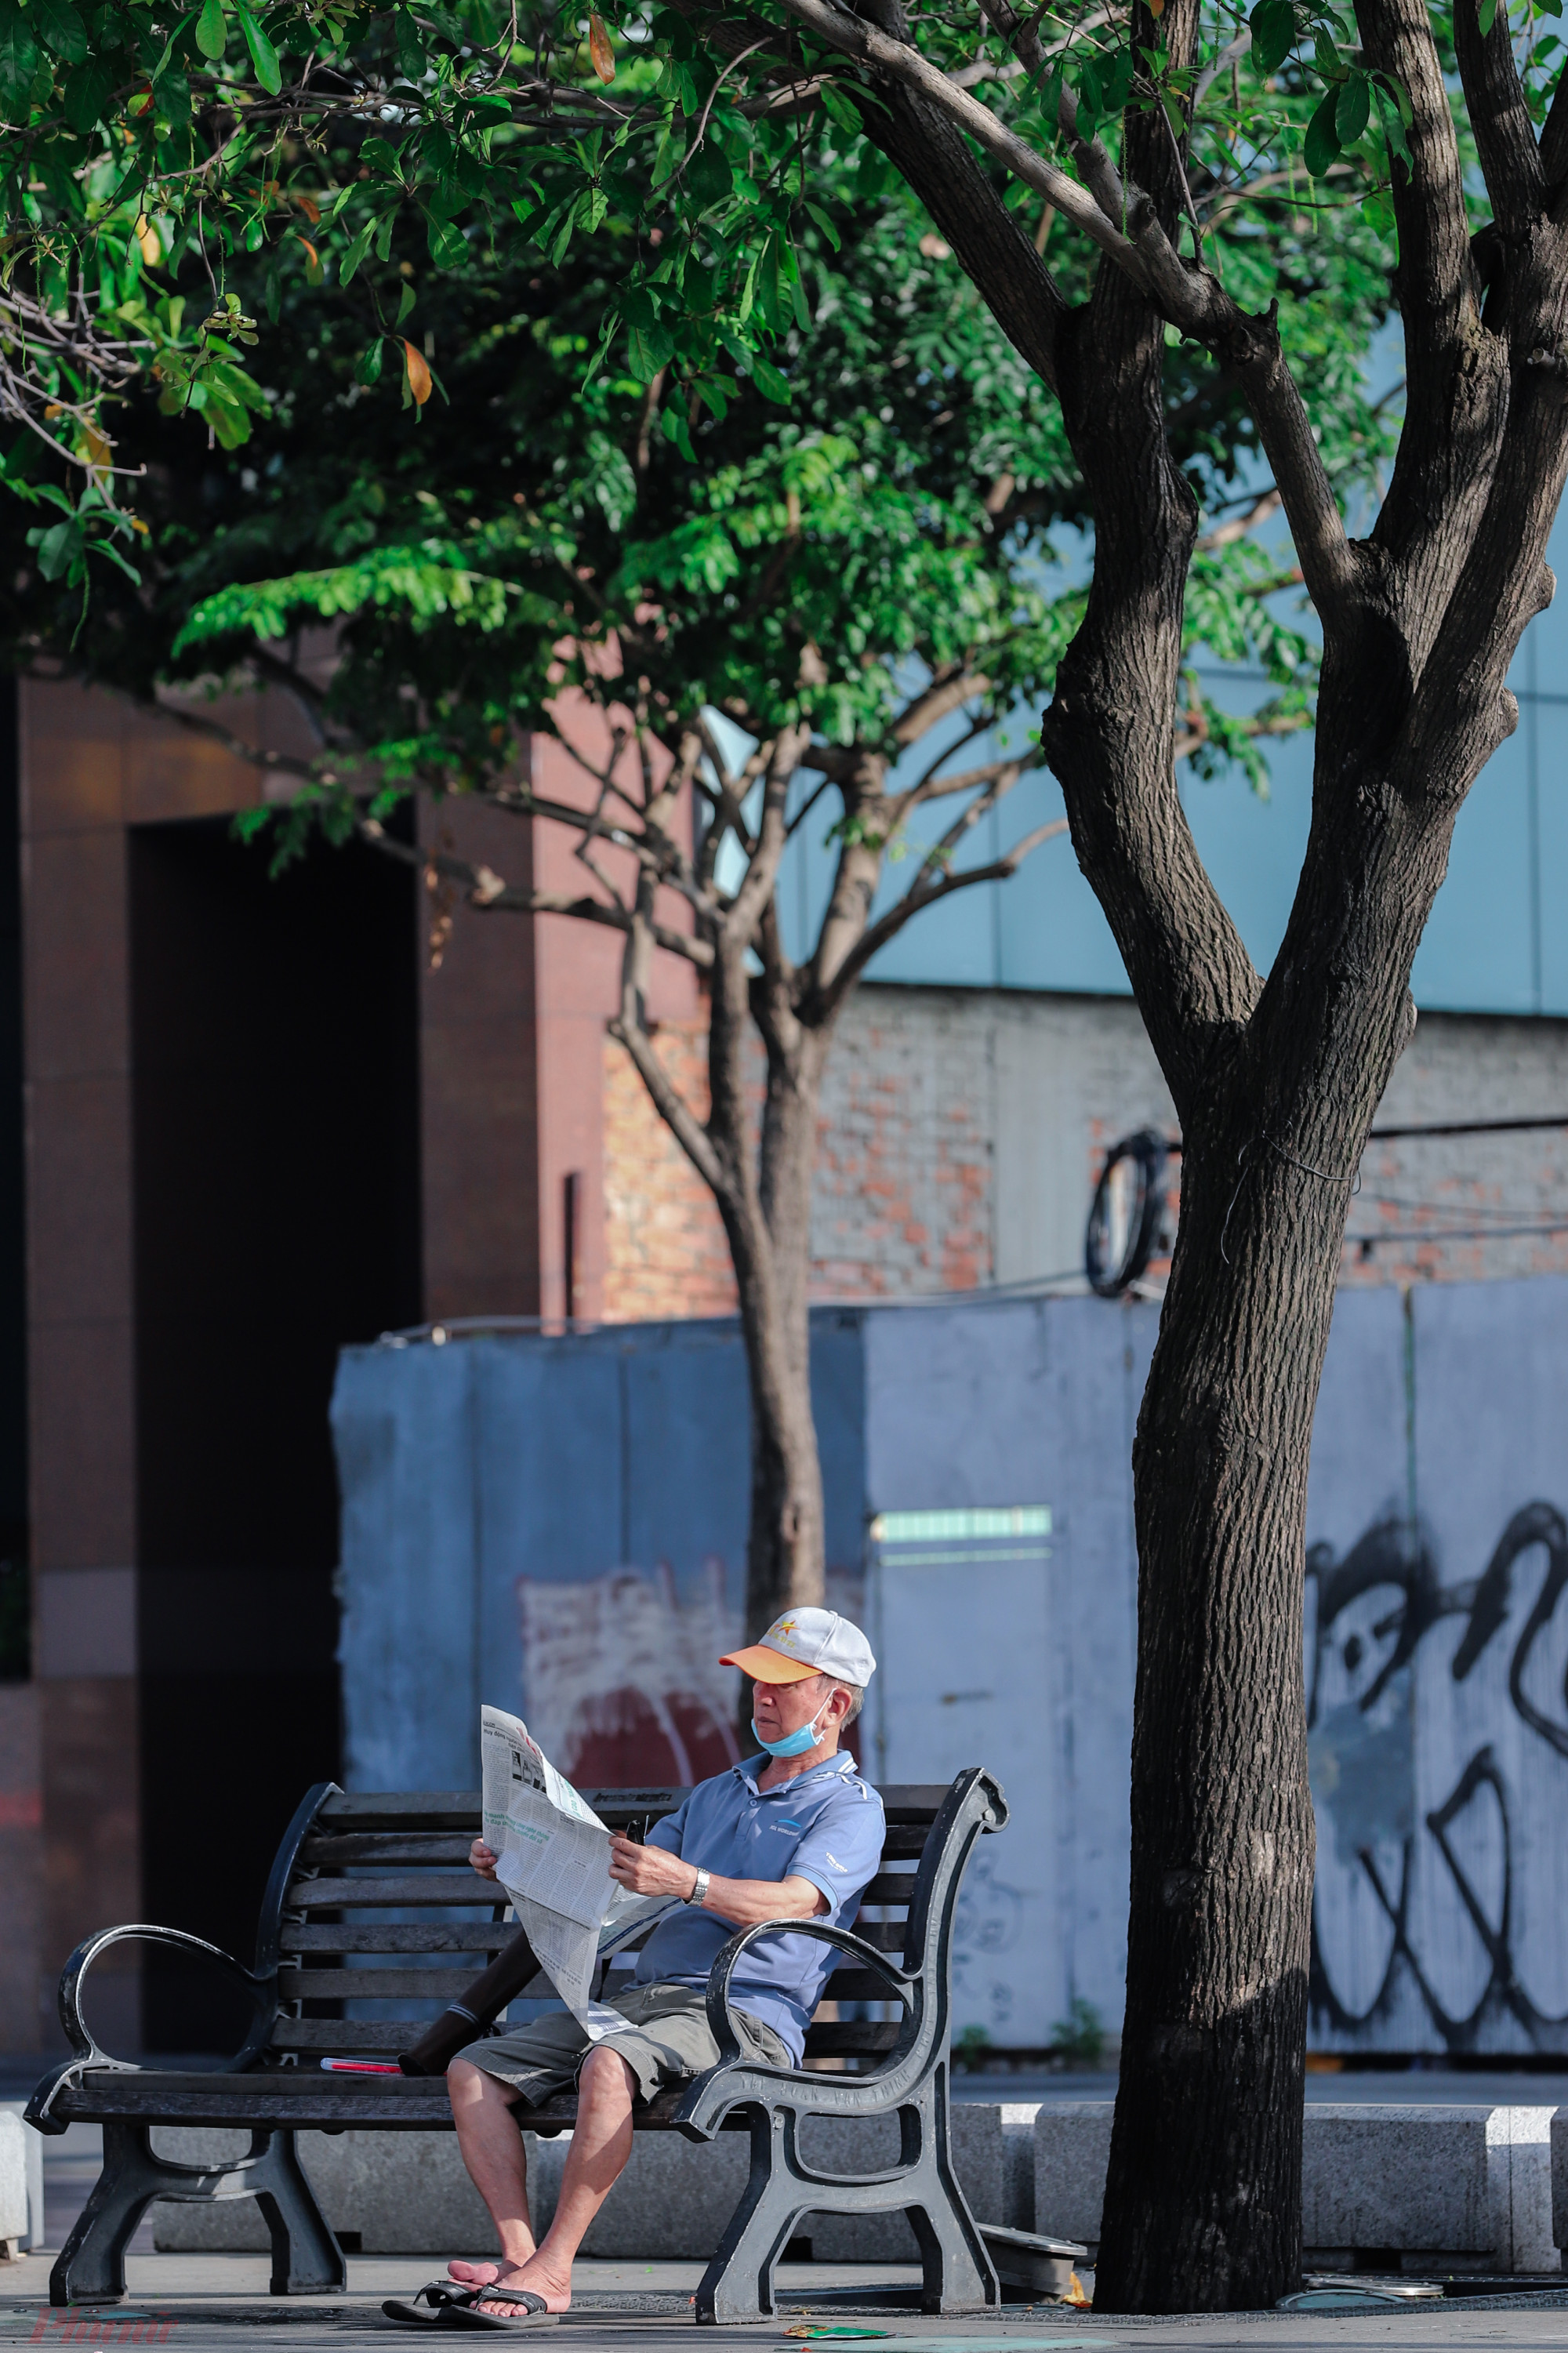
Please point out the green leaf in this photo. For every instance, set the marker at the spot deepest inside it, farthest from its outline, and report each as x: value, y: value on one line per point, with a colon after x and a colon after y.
x: 825, y: 223
x: 212, y: 29
x: 838, y: 108
x: 56, y: 547
x: 674, y: 427
x: 709, y: 179
x: 767, y: 379
x: 1321, y: 147
x: 1351, y: 107
x: 369, y: 368
x: 410, y: 48
x: 1487, y: 16
x: 87, y: 90
x: 650, y: 341
x: 406, y: 302
x: 356, y: 253
x: 1273, y: 24
x: 448, y: 246
x: 18, y: 62
x: 263, y: 56
x: 64, y: 33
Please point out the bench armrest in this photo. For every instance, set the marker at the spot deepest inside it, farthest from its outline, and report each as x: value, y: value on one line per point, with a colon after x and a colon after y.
x: 262, y: 1990
x: 898, y: 1981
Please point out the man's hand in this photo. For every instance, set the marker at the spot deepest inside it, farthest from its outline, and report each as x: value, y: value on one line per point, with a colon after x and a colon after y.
x: 484, y: 1859
x: 650, y: 1870
x: 748, y: 1903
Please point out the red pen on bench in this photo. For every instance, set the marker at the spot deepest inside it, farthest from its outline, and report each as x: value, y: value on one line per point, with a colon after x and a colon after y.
x: 360, y: 2067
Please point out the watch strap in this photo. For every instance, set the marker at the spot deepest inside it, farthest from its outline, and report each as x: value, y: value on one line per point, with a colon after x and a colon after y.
x: 699, y: 1892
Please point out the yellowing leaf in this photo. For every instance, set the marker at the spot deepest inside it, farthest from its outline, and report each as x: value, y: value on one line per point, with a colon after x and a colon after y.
x: 147, y: 238
x: 599, y: 49
x: 97, y: 451
x: 309, y: 206
x: 315, y: 257
x: 419, y: 373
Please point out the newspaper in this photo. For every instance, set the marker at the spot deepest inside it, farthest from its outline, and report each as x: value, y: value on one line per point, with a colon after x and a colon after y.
x: 552, y: 1857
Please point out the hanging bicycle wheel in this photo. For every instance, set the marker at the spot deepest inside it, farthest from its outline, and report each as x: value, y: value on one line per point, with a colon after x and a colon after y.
x: 1124, y: 1216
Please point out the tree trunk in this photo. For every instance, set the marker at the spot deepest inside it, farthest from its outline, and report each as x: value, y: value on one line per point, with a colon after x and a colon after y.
x: 767, y: 1209
x: 1276, y: 1085
x: 786, y: 1539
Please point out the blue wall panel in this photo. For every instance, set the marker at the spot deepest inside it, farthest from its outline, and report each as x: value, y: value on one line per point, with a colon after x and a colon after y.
x: 1495, y: 943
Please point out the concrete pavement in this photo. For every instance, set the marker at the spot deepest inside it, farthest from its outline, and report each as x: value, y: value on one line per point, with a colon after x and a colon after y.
x: 195, y: 2304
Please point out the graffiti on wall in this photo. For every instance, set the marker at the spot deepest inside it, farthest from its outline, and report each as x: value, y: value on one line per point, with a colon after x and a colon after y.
x: 1437, y: 1747
x: 621, y: 1680
x: 621, y: 1683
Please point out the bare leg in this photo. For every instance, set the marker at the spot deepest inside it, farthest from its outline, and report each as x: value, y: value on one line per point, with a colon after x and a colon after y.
x: 601, y: 2144
x: 493, y: 2150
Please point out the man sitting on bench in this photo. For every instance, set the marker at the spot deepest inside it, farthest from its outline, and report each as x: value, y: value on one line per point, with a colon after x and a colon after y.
x: 794, y: 1834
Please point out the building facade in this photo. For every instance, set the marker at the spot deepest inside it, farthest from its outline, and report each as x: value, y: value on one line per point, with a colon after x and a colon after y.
x: 246, y: 1122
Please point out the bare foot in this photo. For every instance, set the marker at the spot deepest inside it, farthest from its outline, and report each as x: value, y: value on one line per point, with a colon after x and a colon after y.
x: 472, y: 2275
x: 532, y: 2276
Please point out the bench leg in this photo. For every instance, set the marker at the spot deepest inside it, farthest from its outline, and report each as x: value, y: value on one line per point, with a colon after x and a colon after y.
x: 90, y: 2266
x: 306, y: 2257
x: 738, y: 2285
x: 305, y: 2251
x: 957, y: 2273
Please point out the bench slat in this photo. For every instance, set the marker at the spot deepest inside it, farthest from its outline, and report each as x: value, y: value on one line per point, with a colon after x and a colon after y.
x: 890, y: 1887
x: 428, y: 1887
x: 396, y: 1809
x: 904, y: 1802
x: 386, y: 1848
x: 882, y: 1936
x: 374, y: 1985
x: 397, y: 1936
x: 857, y: 1984
x: 850, y: 2035
x: 347, y: 2035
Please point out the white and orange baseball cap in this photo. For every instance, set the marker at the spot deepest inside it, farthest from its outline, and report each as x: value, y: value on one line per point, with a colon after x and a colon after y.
x: 807, y: 1642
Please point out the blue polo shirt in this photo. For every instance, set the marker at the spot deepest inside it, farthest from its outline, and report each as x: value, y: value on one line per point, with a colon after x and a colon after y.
x: 827, y: 1826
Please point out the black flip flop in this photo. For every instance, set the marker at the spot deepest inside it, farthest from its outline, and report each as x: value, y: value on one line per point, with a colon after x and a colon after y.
x: 432, y: 2295
x: 466, y: 2309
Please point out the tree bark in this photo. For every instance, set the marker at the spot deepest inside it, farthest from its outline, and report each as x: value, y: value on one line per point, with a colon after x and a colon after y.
x: 765, y: 1205
x: 786, y: 1535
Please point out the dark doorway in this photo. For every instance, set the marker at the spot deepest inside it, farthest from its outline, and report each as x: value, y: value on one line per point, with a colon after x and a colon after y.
x: 14, y: 1606
x: 275, y: 1040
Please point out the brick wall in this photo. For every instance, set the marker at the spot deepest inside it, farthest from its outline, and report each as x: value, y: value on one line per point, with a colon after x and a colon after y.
x: 963, y: 1132
x: 904, y: 1196
x: 665, y: 1252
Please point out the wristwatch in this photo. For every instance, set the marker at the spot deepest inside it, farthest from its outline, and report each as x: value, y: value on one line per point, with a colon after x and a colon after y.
x: 698, y: 1895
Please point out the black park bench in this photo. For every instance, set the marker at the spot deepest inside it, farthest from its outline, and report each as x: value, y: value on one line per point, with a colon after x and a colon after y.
x: 341, y: 1930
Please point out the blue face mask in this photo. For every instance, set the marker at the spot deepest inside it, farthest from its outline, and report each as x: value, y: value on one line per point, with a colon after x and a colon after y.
x: 794, y: 1744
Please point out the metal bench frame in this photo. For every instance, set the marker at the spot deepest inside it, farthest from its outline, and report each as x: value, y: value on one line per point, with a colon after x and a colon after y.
x: 275, y: 2101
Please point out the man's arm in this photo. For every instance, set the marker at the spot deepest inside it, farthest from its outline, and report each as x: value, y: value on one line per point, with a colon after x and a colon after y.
x: 749, y: 1903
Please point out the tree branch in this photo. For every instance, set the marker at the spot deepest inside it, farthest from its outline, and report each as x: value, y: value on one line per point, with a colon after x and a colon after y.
x: 1449, y: 399
x: 1193, y: 299
x: 1500, y: 118
x: 1554, y: 148
x: 489, y: 893
x: 784, y: 758
x: 671, y: 1106
x: 949, y: 692
x: 199, y: 722
x: 901, y: 62
x: 877, y: 936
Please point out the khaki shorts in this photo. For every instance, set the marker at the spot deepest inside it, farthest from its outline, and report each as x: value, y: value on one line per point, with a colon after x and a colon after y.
x: 668, y: 2039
